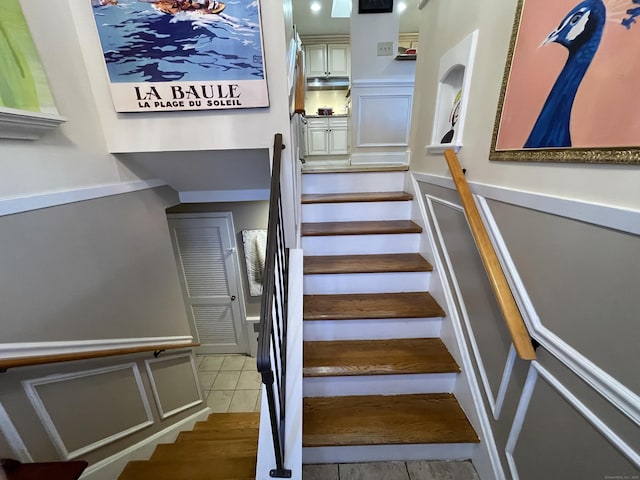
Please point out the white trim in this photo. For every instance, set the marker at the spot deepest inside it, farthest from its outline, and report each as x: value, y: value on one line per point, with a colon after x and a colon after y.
x: 618, y: 218
x: 504, y: 383
x: 536, y: 370
x: 205, y: 196
x: 49, y: 425
x: 8, y: 430
x: 488, y: 443
x: 383, y: 83
x: 362, y: 102
x: 614, y: 391
x: 12, y: 205
x: 495, y: 402
x: 154, y: 387
x: 25, y: 125
x: 30, y: 349
x: 111, y: 467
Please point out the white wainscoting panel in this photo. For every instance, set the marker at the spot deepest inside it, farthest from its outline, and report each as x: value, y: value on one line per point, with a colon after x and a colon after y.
x: 535, y: 371
x: 157, y: 390
x: 9, y: 431
x: 31, y: 389
x: 384, y: 120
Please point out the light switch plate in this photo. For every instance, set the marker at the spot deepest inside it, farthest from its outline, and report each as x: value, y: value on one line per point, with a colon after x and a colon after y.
x: 385, y: 48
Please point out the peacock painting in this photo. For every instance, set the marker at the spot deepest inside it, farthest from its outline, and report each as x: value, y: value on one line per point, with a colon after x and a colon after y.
x: 580, y: 32
x: 571, y: 64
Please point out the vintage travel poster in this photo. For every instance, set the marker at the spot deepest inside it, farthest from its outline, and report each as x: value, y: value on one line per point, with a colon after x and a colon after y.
x: 169, y: 55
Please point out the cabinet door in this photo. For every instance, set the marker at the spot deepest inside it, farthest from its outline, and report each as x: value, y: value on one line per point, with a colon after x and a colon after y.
x: 338, y: 60
x: 338, y: 140
x: 317, y: 141
x: 316, y: 60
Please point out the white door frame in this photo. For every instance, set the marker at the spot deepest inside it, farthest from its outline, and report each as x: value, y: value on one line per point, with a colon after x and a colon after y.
x: 228, y: 216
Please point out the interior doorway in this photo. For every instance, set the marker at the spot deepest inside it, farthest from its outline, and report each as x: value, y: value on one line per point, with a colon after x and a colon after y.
x: 206, y: 254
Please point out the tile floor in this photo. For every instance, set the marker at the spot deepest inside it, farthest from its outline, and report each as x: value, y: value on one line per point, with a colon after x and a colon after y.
x: 414, y: 470
x: 230, y: 383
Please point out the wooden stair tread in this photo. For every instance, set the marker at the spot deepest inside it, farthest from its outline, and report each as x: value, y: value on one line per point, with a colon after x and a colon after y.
x: 235, y: 434
x: 399, y: 262
x: 216, y: 449
x: 377, y: 357
x: 371, y: 227
x: 229, y: 421
x: 231, y: 469
x: 356, y: 197
x: 371, y: 306
x: 385, y: 420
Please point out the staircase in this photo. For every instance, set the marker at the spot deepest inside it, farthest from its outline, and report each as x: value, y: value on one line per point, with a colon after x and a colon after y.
x: 377, y: 377
x: 223, y: 447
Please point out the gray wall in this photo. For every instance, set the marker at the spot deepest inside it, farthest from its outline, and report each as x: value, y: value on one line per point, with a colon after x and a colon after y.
x: 96, y: 269
x: 93, y: 270
x: 580, y: 278
x: 246, y: 216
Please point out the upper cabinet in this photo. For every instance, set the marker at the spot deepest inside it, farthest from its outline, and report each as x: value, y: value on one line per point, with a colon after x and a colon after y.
x: 328, y: 60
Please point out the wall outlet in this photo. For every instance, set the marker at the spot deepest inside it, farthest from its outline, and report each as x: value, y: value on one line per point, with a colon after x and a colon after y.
x: 385, y: 48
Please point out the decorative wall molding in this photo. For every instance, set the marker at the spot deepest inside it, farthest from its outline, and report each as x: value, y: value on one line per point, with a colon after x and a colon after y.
x: 30, y: 349
x: 610, y: 388
x: 495, y: 401
x: 374, y: 124
x: 111, y: 467
x: 398, y: 158
x: 31, y: 385
x: 618, y: 218
x: 24, y: 125
x: 487, y: 458
x: 9, y: 431
x: 13, y: 205
x: 399, y: 82
x: 204, y: 196
x: 536, y: 370
x: 154, y: 387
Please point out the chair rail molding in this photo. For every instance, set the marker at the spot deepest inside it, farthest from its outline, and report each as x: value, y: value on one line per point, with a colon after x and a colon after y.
x: 26, y: 203
x: 25, y: 125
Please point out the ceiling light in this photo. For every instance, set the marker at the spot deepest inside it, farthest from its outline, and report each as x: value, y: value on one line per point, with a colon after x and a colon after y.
x: 315, y: 7
x: 401, y: 7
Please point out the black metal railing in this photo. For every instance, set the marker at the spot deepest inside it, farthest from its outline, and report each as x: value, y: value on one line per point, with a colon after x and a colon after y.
x: 272, y: 335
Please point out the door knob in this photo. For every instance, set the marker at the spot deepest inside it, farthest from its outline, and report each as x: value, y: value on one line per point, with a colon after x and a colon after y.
x: 233, y: 297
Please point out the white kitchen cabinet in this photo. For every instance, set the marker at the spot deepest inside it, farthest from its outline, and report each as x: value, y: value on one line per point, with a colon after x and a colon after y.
x: 327, y: 60
x: 328, y: 136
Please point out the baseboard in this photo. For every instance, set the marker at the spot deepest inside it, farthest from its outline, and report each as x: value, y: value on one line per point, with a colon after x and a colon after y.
x: 111, y: 467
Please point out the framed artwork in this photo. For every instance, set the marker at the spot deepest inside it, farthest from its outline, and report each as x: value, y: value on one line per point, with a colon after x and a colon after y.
x: 26, y: 103
x: 168, y: 55
x: 568, y: 88
x: 375, y: 6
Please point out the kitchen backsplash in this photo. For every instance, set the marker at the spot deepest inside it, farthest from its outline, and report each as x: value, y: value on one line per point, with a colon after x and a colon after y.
x: 336, y: 99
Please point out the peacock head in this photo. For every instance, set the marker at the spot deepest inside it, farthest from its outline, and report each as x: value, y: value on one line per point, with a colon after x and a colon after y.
x: 582, y: 24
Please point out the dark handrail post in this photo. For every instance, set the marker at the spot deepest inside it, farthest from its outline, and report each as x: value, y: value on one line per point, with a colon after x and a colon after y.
x: 272, y: 338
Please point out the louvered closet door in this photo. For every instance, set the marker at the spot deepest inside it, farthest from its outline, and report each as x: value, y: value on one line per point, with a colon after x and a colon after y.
x: 206, y: 255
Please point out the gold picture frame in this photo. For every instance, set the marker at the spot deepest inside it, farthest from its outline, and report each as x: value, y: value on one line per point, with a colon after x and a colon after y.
x: 535, y: 72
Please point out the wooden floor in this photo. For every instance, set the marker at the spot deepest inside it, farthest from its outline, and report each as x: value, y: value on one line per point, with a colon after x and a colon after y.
x: 385, y: 420
x: 224, y: 447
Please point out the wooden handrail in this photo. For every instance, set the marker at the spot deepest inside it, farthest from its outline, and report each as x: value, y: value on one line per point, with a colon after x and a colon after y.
x: 71, y: 356
x: 506, y: 302
x: 298, y: 106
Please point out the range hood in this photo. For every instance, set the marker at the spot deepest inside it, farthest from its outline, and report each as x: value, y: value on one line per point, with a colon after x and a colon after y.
x: 327, y: 83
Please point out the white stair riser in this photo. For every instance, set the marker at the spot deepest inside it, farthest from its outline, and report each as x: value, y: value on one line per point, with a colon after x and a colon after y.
x: 352, y: 182
x: 378, y: 385
x: 381, y: 453
x: 393, y: 282
x: 361, y: 244
x: 357, y: 211
x: 328, y: 330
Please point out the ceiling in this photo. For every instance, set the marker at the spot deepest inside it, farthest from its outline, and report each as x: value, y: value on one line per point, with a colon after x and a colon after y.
x: 321, y: 23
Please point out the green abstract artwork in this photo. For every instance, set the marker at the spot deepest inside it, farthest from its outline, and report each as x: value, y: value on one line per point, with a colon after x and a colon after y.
x: 23, y: 83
